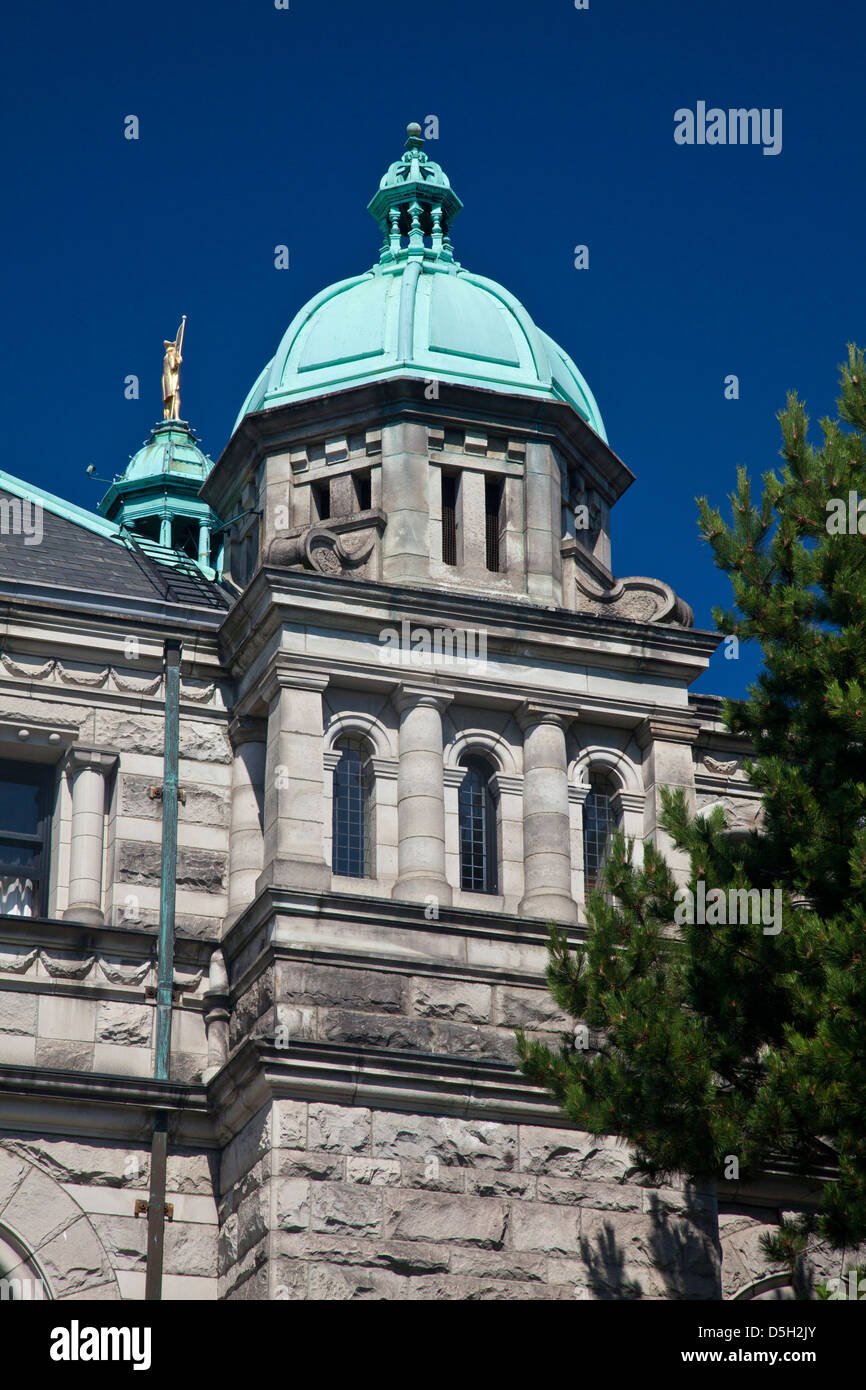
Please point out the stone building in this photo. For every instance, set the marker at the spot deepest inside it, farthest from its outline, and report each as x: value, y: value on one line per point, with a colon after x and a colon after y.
x: 415, y: 700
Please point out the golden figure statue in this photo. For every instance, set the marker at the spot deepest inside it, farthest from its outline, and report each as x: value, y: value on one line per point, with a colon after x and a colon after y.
x: 171, y: 375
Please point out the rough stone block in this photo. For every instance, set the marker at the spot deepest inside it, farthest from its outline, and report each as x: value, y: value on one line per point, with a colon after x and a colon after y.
x: 530, y: 1008
x: 190, y: 1248
x: 289, y: 1124
x: 341, y: 1207
x: 339, y: 1129
x: 442, y: 1217
x: 292, y: 1204
x: 17, y: 1012
x: 555, y: 1230
x: 324, y: 986
x: 127, y: 1024
x: 468, y: 1143
x: 457, y: 1001
x: 373, y: 1172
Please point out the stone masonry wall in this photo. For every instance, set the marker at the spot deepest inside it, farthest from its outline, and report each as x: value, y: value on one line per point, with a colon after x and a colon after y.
x: 72, y: 1204
x: 339, y: 1202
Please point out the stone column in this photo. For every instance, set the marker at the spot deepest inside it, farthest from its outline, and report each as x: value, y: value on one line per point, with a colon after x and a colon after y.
x: 546, y: 831
x: 246, y: 842
x: 203, y: 543
x: 421, y: 797
x: 294, y: 782
x: 87, y: 769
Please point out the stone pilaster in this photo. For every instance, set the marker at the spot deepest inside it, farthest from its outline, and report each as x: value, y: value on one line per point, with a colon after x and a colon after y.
x: 668, y: 762
x: 405, y: 468
x: 546, y: 829
x: 246, y: 843
x: 294, y: 782
x: 421, y: 797
x: 87, y: 769
x: 543, y: 526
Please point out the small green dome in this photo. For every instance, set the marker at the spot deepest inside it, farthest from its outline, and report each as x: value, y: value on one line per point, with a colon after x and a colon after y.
x: 418, y: 313
x: 171, y: 448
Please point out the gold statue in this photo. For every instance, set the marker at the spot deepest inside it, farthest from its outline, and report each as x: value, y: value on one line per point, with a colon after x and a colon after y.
x: 171, y: 376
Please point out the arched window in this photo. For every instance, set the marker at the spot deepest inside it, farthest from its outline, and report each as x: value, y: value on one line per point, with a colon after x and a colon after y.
x: 600, y: 821
x: 477, y: 815
x: 353, y: 851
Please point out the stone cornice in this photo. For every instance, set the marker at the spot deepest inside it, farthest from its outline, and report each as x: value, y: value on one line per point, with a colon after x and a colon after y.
x: 277, y: 596
x: 259, y: 1073
x: 44, y: 1101
x: 254, y: 931
x: 392, y: 399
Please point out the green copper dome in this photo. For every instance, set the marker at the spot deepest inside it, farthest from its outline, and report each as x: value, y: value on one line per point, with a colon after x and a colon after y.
x: 418, y: 313
x: 157, y: 498
x: 171, y: 448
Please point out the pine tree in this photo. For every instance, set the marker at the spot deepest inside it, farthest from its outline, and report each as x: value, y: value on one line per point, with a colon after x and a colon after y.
x: 720, y: 1042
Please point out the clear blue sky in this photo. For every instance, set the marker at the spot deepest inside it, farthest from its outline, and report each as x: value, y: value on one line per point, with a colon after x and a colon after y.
x: 261, y: 126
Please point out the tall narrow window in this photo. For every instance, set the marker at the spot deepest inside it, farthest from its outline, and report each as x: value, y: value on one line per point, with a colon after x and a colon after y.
x: 24, y: 823
x: 492, y: 507
x: 449, y: 518
x: 477, y: 817
x: 322, y: 500
x: 363, y: 491
x: 599, y: 826
x: 353, y: 838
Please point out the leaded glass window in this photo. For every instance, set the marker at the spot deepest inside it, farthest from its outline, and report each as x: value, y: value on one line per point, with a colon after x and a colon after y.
x: 353, y: 833
x: 477, y: 816
x: 600, y: 821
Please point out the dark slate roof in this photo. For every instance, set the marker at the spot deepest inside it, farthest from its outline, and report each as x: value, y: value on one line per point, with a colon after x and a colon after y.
x: 73, y: 560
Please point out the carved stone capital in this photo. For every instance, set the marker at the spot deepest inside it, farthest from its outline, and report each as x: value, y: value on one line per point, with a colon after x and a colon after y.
x: 245, y: 729
x: 532, y: 712
x: 410, y: 696
x: 81, y: 756
x: 666, y: 730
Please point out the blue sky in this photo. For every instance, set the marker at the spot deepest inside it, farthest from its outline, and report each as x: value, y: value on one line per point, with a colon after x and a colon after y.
x: 261, y: 126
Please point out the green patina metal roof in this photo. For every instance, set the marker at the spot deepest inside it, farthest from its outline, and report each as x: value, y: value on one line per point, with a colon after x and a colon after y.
x: 418, y: 313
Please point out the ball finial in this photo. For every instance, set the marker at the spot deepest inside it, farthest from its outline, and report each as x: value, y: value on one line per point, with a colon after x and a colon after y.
x: 413, y: 130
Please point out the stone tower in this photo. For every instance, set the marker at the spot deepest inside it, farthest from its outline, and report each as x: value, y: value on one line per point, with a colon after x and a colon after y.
x: 414, y: 702
x: 443, y: 699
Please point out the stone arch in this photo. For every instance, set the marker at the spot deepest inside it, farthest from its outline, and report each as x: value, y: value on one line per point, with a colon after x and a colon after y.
x: 50, y: 1236
x: 355, y: 722
x: 485, y: 742
x: 618, y: 765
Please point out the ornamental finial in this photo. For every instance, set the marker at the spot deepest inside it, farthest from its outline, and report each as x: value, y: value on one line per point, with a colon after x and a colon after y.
x: 415, y: 204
